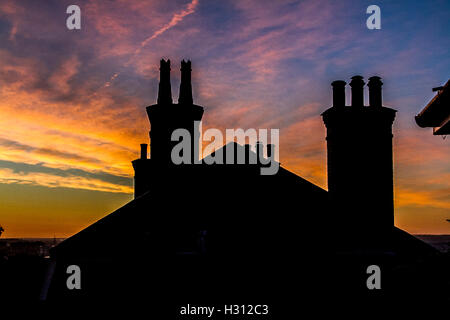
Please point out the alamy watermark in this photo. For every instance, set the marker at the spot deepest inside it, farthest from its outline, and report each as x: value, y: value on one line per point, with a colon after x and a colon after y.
x: 73, y: 22
x: 374, y: 20
x: 260, y: 152
x: 74, y: 279
x: 374, y: 280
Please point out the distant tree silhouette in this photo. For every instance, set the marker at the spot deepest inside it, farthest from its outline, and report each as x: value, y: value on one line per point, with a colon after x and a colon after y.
x: 1, y: 230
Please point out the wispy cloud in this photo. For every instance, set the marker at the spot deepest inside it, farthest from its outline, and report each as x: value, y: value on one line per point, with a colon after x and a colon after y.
x: 177, y: 18
x: 51, y: 180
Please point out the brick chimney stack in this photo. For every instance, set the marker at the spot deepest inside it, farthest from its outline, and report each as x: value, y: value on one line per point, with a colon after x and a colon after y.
x: 359, y: 157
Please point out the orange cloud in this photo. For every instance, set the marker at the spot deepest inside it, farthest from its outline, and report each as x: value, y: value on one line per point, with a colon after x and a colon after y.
x: 8, y: 176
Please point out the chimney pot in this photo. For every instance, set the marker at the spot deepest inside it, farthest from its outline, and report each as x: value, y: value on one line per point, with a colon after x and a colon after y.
x: 270, y: 150
x: 357, y: 85
x: 185, y: 96
x: 375, y: 95
x: 338, y: 93
x: 260, y: 152
x: 164, y: 90
x: 247, y: 153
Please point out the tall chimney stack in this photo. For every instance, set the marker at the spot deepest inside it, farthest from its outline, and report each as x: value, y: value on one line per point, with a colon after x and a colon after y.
x: 338, y: 93
x: 185, y: 96
x: 357, y: 85
x: 359, y: 160
x: 165, y: 90
x: 375, y: 96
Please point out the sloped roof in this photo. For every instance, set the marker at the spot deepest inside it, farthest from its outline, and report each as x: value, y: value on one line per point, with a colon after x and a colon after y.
x: 287, y: 175
x: 106, y: 232
x: 132, y: 223
x: 146, y: 222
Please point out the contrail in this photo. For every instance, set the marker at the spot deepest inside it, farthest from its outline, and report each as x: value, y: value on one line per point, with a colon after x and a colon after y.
x: 177, y: 17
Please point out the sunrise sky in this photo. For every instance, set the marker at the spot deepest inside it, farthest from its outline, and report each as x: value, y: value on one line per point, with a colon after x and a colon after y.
x: 72, y: 103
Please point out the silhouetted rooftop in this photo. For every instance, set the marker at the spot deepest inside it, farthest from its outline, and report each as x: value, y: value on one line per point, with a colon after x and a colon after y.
x: 436, y: 113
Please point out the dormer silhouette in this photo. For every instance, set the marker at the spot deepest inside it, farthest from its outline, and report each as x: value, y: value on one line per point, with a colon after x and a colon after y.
x: 359, y: 152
